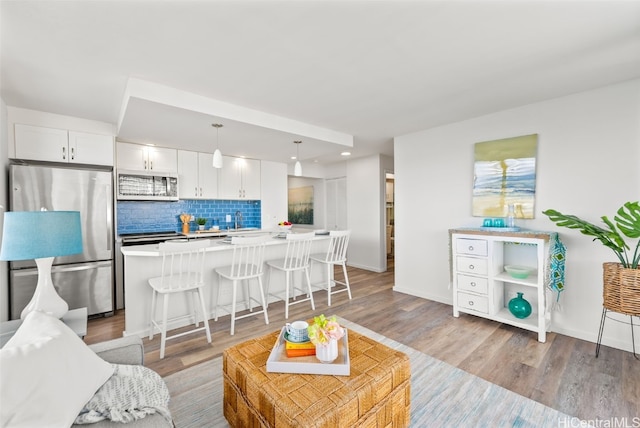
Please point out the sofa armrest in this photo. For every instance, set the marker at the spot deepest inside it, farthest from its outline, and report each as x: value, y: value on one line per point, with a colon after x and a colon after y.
x: 124, y: 350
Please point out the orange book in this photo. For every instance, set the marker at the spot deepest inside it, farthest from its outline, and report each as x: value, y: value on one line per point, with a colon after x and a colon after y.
x: 300, y: 352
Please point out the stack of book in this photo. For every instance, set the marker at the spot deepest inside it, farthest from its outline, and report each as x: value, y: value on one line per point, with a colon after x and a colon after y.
x: 299, y: 349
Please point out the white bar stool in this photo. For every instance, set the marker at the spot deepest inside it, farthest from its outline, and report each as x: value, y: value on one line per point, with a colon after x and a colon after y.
x: 296, y: 259
x: 336, y: 255
x: 247, y: 264
x: 182, y: 270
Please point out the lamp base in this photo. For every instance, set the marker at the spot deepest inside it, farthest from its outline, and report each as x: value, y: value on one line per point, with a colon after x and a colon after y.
x: 45, y: 298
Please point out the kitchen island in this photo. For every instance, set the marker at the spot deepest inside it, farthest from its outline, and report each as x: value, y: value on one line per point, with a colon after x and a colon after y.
x: 142, y: 262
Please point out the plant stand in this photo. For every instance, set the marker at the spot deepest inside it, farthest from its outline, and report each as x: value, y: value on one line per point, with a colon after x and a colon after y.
x: 620, y: 293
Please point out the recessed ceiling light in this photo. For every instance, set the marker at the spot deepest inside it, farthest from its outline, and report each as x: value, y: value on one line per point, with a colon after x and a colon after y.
x: 293, y: 157
x: 346, y: 153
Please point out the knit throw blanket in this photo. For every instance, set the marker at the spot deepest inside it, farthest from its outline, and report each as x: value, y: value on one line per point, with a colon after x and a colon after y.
x: 131, y: 393
x: 558, y: 254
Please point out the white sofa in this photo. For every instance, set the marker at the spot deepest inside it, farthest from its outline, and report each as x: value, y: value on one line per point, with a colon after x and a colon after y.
x: 48, y: 375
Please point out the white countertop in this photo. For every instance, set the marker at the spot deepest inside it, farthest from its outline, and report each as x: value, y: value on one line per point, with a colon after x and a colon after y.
x: 217, y: 244
x: 210, y: 233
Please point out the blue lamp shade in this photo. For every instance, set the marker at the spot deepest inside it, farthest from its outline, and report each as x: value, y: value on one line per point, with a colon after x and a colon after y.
x: 38, y: 234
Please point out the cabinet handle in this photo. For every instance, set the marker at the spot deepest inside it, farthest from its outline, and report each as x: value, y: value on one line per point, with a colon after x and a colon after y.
x: 470, y: 247
x: 145, y: 164
x: 470, y: 302
x: 150, y: 164
x: 73, y: 153
x: 201, y: 191
x: 64, y: 153
x: 472, y: 267
x: 196, y: 191
x: 473, y: 284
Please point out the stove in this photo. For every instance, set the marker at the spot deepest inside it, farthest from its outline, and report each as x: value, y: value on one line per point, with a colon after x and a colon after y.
x: 148, y: 237
x: 128, y: 239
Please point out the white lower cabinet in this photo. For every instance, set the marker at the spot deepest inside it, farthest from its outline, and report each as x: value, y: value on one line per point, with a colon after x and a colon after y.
x: 483, y: 288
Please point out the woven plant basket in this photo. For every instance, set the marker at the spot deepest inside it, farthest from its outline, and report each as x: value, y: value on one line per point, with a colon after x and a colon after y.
x: 621, y: 289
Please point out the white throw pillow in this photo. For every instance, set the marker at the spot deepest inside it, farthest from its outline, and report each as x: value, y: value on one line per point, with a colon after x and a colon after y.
x: 47, y: 374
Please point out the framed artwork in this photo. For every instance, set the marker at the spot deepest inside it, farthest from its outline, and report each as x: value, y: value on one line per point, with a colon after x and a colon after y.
x: 504, y: 173
x: 301, y: 205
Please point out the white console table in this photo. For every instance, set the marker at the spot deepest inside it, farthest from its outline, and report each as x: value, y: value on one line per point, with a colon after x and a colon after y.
x: 75, y: 318
x: 481, y: 286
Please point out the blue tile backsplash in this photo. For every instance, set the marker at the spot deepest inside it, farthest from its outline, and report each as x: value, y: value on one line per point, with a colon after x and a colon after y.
x: 153, y: 216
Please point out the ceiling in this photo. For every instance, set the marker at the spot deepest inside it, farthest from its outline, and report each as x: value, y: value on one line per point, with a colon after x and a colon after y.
x: 329, y: 73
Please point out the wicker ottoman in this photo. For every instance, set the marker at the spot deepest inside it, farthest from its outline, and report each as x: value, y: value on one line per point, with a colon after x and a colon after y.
x: 375, y: 394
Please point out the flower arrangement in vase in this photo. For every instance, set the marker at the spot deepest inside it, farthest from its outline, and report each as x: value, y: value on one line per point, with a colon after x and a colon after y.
x: 325, y: 333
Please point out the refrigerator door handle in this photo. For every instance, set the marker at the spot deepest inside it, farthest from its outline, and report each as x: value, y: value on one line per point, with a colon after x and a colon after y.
x: 108, y: 210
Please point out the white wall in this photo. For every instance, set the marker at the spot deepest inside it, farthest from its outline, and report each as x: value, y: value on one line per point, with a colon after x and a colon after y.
x: 273, y: 191
x: 365, y: 199
x: 587, y: 164
x: 4, y: 202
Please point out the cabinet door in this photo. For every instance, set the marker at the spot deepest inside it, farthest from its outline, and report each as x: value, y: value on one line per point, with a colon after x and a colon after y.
x: 38, y: 143
x: 162, y: 159
x: 229, y: 181
x: 250, y: 176
x: 91, y: 149
x: 336, y: 203
x: 131, y: 156
x: 207, y: 176
x: 188, y: 187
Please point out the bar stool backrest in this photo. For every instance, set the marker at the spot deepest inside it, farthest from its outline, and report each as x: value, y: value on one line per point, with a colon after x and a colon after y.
x: 182, y: 264
x: 298, y: 250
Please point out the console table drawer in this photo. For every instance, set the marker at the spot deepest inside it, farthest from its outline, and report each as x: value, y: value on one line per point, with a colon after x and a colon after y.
x: 473, y: 302
x: 474, y: 247
x: 473, y: 283
x: 472, y: 265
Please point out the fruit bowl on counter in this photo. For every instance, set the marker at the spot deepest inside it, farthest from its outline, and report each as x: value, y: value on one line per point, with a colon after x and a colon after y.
x: 285, y: 225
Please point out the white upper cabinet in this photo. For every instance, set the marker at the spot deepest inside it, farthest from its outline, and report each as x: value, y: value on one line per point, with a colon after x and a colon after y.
x: 138, y: 157
x: 60, y: 145
x: 198, y: 179
x: 239, y: 178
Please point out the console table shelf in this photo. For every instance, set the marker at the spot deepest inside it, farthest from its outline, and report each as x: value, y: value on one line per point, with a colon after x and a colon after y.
x: 481, y: 287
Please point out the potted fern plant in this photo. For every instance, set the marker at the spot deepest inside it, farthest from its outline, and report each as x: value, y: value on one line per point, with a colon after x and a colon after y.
x: 621, y: 281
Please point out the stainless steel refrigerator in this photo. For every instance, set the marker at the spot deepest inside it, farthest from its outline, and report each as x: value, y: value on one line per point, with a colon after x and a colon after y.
x: 83, y: 280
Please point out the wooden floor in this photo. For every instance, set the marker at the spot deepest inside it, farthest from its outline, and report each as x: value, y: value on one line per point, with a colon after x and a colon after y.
x: 562, y: 373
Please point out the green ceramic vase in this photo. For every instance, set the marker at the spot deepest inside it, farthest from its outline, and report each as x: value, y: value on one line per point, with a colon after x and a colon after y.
x: 519, y: 307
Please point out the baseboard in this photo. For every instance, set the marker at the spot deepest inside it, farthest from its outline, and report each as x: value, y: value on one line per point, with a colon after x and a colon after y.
x: 413, y: 292
x: 365, y: 267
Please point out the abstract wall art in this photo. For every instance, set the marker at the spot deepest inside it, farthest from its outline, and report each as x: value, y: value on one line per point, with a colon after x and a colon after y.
x: 504, y: 173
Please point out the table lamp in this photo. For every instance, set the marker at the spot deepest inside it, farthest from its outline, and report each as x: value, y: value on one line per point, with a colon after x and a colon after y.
x: 42, y: 235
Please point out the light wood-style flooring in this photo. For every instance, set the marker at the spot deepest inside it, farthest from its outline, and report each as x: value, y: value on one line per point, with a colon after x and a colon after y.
x: 562, y: 373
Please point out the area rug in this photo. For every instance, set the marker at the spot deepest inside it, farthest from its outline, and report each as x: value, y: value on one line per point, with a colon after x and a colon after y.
x: 441, y: 395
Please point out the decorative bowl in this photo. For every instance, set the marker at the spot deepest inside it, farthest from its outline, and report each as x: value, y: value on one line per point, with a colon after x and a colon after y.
x: 287, y: 227
x: 519, y: 272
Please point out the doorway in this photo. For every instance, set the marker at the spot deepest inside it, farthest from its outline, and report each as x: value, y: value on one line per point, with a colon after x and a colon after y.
x: 390, y: 217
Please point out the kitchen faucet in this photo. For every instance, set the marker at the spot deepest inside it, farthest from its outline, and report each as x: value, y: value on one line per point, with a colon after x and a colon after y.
x: 238, y: 220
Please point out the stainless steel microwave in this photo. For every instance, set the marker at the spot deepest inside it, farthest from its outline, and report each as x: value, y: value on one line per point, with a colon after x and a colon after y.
x: 146, y: 186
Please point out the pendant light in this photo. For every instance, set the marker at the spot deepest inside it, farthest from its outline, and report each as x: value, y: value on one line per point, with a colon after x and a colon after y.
x: 217, y: 155
x: 297, y: 169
